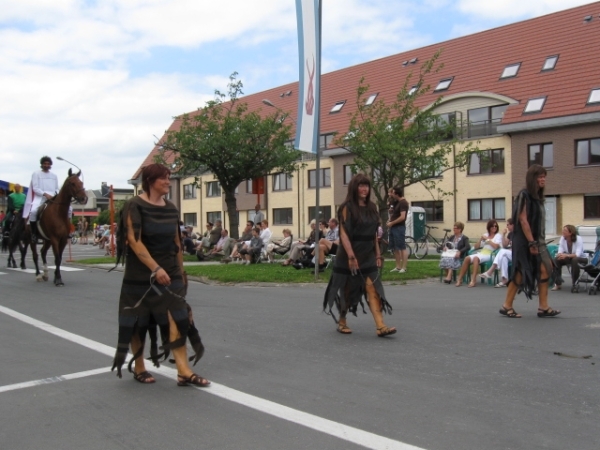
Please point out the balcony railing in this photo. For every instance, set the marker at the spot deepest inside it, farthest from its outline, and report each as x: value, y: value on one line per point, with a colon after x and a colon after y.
x: 483, y: 128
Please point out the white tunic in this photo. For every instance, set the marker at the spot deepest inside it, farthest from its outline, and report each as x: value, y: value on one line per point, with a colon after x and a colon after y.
x: 41, y: 183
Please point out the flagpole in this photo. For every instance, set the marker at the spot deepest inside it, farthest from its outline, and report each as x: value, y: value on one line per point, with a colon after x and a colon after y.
x: 317, y: 151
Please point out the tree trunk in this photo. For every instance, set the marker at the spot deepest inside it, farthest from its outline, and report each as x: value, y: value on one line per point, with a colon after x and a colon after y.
x: 234, y: 223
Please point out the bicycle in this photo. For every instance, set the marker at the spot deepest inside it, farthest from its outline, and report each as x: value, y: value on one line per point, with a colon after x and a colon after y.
x: 420, y: 247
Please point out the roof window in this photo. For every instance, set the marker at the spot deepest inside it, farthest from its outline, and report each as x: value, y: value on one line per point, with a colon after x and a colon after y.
x: 510, y: 71
x: 371, y: 99
x: 338, y: 107
x: 443, y: 84
x: 534, y: 105
x: 413, y: 61
x: 594, y: 96
x: 550, y: 63
x: 413, y: 89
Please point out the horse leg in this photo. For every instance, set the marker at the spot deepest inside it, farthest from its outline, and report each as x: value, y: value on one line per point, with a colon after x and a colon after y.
x: 34, y: 255
x: 23, y: 250
x: 57, y: 248
x: 44, y: 252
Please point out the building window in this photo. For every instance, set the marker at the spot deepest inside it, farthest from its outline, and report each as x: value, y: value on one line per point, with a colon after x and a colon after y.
x: 594, y: 96
x: 444, y: 84
x: 588, y: 152
x: 591, y: 207
x: 213, y: 189
x: 434, y: 210
x: 189, y: 191
x: 534, y: 105
x: 213, y: 216
x: 324, y: 178
x: 485, y: 121
x: 487, y: 161
x: 282, y: 182
x: 550, y: 63
x: 542, y: 154
x: 486, y: 209
x: 446, y: 125
x: 337, y: 107
x: 325, y: 140
x: 510, y: 71
x: 348, y: 174
x: 169, y: 196
x: 283, y: 216
x: 371, y: 99
x: 189, y: 220
x: 413, y: 90
x: 249, y: 187
x: 324, y: 213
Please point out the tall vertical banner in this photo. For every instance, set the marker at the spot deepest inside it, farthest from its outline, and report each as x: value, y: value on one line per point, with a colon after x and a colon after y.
x: 309, y: 56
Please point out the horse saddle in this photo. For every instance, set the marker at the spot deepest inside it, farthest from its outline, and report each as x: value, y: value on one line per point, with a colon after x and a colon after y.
x: 40, y: 213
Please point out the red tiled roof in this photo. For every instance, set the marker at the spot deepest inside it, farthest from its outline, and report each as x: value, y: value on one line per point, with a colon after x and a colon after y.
x: 476, y: 63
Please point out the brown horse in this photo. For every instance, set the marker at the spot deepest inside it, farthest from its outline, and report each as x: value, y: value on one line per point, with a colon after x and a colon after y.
x: 54, y: 226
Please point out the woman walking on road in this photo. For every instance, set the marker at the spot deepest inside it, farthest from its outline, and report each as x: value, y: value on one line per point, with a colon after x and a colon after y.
x: 358, y: 260
x: 154, y: 283
x: 531, y: 260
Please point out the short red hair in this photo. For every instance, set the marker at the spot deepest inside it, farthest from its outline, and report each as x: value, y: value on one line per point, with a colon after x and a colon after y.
x: 152, y: 173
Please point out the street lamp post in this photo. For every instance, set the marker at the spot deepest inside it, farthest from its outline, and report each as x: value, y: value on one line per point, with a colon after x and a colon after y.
x: 60, y: 158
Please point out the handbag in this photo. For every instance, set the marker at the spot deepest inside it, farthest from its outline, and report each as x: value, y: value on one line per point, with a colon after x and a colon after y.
x: 450, y: 253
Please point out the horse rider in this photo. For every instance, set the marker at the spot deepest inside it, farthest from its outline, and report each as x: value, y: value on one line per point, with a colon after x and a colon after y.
x: 44, y: 186
x: 16, y: 201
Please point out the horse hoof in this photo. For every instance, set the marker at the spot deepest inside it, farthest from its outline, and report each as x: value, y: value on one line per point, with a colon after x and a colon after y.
x: 59, y: 283
x: 45, y: 278
x: 39, y: 279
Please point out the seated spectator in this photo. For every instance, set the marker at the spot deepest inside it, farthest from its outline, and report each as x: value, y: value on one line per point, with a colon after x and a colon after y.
x: 188, y: 244
x: 238, y: 244
x: 489, y: 242
x: 460, y: 243
x: 280, y: 246
x: 265, y: 233
x: 254, y: 248
x: 212, y: 236
x: 503, y: 257
x: 570, y: 253
x: 218, y: 248
x: 329, y: 244
x: 300, y: 245
x: 190, y: 230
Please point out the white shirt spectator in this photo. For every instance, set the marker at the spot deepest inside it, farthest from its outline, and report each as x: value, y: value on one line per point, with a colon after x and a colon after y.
x: 577, y: 247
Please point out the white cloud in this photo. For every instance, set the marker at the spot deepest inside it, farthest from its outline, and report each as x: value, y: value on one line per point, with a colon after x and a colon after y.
x: 515, y: 9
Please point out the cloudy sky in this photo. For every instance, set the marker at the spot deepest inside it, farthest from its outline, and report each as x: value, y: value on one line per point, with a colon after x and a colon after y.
x: 96, y: 82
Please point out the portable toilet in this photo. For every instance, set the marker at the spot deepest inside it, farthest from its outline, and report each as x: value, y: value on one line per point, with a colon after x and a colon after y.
x: 415, y: 222
x: 590, y: 235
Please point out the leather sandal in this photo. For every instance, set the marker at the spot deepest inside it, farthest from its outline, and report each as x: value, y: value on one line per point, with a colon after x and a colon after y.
x: 548, y: 312
x: 385, y: 331
x: 144, y: 377
x: 509, y: 312
x: 343, y: 328
x: 193, y: 380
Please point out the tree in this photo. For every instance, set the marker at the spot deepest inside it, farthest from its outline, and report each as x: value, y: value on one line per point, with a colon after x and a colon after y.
x: 231, y: 142
x: 400, y: 144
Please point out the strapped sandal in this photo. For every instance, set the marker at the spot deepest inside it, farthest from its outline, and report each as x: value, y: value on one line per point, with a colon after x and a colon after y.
x: 343, y: 328
x: 385, y: 331
x: 509, y: 312
x: 193, y: 379
x: 548, y: 312
x: 144, y: 377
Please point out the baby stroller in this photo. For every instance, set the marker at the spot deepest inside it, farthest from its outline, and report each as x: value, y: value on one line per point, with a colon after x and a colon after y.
x: 591, y: 273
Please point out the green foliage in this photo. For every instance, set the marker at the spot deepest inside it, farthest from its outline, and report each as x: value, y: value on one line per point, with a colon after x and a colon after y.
x: 104, y: 216
x: 399, y: 144
x: 231, y: 142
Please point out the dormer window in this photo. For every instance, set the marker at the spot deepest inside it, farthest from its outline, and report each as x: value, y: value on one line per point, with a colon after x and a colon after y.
x: 594, y: 96
x: 371, y: 99
x: 338, y: 107
x: 510, y: 71
x: 443, y: 84
x: 550, y: 63
x: 534, y: 105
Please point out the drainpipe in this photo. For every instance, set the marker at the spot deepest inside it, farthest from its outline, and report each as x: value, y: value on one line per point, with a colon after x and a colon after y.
x: 454, y: 179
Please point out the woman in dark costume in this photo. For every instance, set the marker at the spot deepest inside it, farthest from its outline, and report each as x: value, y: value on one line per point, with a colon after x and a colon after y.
x: 154, y: 284
x: 358, y: 260
x: 531, y: 261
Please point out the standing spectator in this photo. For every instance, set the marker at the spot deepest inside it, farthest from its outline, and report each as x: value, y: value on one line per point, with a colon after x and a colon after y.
x: 570, y: 253
x: 258, y: 215
x: 358, y: 260
x: 397, y: 227
x: 531, y: 261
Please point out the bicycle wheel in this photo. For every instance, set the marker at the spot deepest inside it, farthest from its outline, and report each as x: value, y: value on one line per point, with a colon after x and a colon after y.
x: 410, y: 245
x: 421, y: 247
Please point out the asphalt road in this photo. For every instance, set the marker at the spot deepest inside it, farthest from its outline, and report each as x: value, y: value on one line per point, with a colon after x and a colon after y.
x: 457, y: 375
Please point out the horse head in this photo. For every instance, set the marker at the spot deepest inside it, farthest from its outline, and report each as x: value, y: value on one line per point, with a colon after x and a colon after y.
x: 75, y: 187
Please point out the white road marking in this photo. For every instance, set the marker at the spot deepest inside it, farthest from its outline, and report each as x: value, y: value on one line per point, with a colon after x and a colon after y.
x: 50, y: 269
x: 338, y: 430
x: 71, y: 376
x: 3, y: 273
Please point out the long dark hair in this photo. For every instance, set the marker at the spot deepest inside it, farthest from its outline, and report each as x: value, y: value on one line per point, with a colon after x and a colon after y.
x: 352, y: 199
x: 531, y: 182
